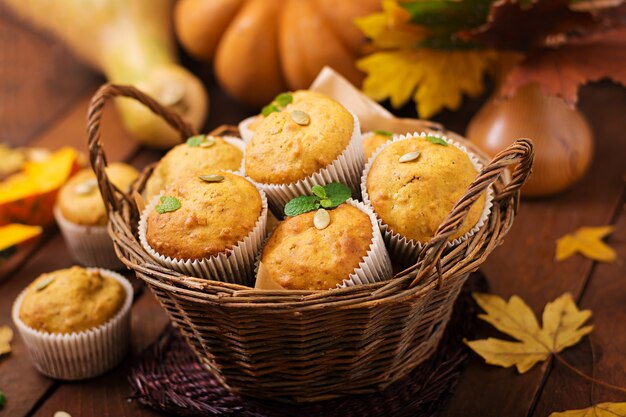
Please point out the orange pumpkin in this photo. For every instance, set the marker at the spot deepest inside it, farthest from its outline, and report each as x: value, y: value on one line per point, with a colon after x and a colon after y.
x: 28, y: 196
x: 262, y: 47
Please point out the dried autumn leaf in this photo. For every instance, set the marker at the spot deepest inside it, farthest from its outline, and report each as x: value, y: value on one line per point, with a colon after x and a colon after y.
x: 434, y: 78
x: 522, y: 25
x: 6, y: 335
x: 597, y: 410
x: 562, y: 323
x: 560, y: 71
x: 588, y: 242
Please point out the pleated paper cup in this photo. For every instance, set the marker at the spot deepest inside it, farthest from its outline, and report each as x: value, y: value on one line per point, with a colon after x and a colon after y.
x: 402, y: 249
x: 374, y: 267
x: 244, y: 128
x: 81, y: 355
x: 88, y: 245
x: 235, y: 265
x: 346, y: 169
x: 241, y: 145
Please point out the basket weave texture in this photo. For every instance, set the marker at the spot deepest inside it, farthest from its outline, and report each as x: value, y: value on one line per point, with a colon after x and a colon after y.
x: 301, y: 346
x: 168, y: 378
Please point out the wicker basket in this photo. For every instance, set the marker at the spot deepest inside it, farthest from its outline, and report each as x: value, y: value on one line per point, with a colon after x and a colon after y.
x: 300, y: 346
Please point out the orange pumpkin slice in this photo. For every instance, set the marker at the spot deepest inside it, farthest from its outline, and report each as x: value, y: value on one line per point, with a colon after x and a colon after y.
x: 28, y: 196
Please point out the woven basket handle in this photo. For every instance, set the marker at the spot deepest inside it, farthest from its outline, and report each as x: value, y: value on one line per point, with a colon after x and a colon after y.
x: 522, y: 153
x: 111, y: 195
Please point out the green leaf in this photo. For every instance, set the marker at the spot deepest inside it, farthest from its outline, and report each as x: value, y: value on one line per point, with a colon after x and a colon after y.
x: 436, y: 140
x: 326, y: 203
x: 301, y: 204
x: 283, y: 99
x: 337, y: 193
x: 383, y: 132
x: 195, y: 141
x: 269, y: 109
x: 3, y: 400
x: 319, y: 191
x: 168, y: 204
x: 447, y: 17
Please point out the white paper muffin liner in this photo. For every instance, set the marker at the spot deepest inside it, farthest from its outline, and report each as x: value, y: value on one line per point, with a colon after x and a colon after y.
x: 235, y: 265
x: 81, y: 355
x: 244, y: 128
x: 88, y: 245
x: 239, y: 144
x: 402, y: 249
x: 346, y: 169
x: 375, y: 265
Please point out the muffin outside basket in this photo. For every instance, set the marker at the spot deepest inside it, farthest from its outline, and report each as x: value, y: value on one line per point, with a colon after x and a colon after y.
x: 302, y: 346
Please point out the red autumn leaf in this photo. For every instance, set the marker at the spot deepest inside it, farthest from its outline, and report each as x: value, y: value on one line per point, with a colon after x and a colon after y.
x: 523, y: 25
x: 561, y: 70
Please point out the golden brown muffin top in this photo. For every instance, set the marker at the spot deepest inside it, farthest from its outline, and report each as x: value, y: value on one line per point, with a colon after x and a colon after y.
x: 414, y: 198
x: 298, y: 256
x: 213, y: 216
x: 79, y: 199
x: 373, y: 141
x: 283, y: 151
x: 183, y: 160
x: 71, y: 300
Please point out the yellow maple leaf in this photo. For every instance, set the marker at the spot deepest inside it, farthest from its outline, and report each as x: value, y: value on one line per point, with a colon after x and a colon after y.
x: 6, y: 335
x: 391, y: 28
x: 434, y: 78
x: 597, y: 410
x: 562, y: 323
x: 588, y: 242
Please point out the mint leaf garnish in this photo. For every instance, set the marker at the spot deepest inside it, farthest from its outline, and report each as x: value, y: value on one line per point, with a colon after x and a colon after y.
x: 383, y: 132
x: 301, y: 204
x: 337, y: 193
x: 167, y: 204
x: 269, y: 109
x: 283, y: 99
x: 195, y: 141
x: 319, y: 191
x: 436, y: 140
x: 328, y: 196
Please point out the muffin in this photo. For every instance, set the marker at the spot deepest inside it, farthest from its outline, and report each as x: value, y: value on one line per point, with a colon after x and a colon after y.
x: 348, y: 251
x: 75, y: 322
x: 79, y: 200
x: 313, y: 140
x: 413, y: 183
x: 374, y: 140
x: 199, y: 153
x: 209, y: 224
x: 82, y: 216
x: 248, y: 126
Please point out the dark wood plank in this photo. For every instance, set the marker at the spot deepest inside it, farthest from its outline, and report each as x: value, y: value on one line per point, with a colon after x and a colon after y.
x: 40, y: 80
x: 605, y: 295
x: 524, y: 264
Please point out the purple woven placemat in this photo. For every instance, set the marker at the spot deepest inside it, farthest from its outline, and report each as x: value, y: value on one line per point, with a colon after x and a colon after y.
x: 169, y: 378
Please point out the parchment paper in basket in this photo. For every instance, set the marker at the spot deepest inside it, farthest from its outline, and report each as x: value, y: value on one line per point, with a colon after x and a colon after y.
x: 371, y: 115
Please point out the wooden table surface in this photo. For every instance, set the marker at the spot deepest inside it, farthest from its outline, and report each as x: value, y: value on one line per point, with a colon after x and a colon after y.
x: 44, y: 94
